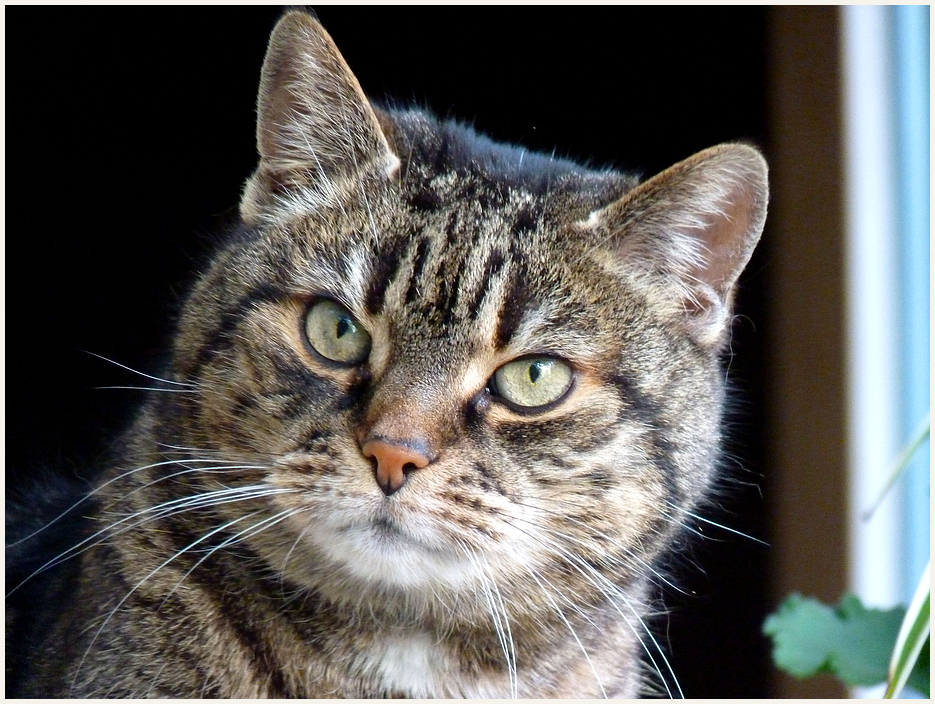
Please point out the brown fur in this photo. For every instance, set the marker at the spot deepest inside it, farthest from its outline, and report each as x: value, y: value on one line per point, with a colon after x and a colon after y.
x: 518, y: 560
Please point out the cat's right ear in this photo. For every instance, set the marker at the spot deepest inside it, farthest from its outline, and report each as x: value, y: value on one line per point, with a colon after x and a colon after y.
x: 685, y: 235
x: 316, y: 130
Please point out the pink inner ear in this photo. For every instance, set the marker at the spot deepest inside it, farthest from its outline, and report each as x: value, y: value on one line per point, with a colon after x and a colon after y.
x: 726, y: 242
x: 692, y: 229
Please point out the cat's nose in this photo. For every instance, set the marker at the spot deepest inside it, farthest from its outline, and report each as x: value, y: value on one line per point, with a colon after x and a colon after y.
x: 394, y: 462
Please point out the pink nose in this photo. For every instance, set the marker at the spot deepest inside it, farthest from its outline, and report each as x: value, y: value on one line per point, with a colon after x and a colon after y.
x: 394, y: 461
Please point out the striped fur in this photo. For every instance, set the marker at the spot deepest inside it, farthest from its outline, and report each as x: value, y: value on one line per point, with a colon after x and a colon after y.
x: 241, y: 545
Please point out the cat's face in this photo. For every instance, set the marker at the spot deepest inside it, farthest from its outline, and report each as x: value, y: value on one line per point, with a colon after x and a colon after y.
x: 453, y: 363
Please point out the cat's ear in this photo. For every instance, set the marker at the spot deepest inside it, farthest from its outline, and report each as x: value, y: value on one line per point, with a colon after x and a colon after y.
x: 687, y: 233
x: 315, y: 126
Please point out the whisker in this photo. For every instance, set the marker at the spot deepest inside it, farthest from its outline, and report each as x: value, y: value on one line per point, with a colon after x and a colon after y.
x: 163, y: 510
x: 99, y: 488
x: 131, y: 369
x: 629, y: 553
x: 237, y: 537
x: 207, y: 499
x: 580, y: 566
x: 152, y: 686
x: 219, y: 469
x: 511, y: 655
x: 616, y: 590
x: 183, y: 448
x: 719, y: 525
x: 148, y: 388
x: 138, y: 585
x: 568, y: 625
x: 285, y: 560
x: 504, y: 636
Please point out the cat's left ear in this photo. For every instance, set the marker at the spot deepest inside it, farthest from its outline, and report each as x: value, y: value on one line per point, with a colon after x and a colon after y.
x: 686, y: 234
x: 315, y: 126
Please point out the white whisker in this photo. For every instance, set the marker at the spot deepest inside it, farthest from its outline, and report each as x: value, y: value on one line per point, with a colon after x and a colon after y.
x: 568, y: 625
x: 237, y: 537
x: 102, y: 486
x: 163, y: 510
x: 590, y: 573
x: 496, y: 609
x: 628, y: 552
x: 152, y: 686
x: 148, y: 388
x: 718, y: 525
x: 130, y: 369
x: 511, y: 654
x: 138, y: 585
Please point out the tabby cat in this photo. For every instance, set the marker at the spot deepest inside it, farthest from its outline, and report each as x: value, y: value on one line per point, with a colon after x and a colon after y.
x: 433, y: 416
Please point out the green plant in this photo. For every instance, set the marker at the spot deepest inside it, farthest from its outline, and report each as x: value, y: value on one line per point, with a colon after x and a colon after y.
x: 860, y: 646
x: 911, y: 652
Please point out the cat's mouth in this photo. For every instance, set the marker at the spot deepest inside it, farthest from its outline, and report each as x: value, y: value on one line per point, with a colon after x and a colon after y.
x: 386, y: 529
x: 383, y: 536
x: 381, y: 544
x: 387, y: 532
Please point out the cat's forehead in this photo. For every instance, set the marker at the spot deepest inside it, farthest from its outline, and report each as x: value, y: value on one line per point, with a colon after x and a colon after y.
x: 472, y: 269
x: 467, y: 241
x: 445, y: 164
x: 453, y: 265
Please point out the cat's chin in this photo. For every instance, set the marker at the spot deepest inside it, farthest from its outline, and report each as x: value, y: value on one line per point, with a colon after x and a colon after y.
x: 384, y: 555
x: 375, y: 554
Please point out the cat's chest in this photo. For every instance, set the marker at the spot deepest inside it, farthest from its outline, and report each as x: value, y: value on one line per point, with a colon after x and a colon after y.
x: 417, y: 664
x: 410, y: 663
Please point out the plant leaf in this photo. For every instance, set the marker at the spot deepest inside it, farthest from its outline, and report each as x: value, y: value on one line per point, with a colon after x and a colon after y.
x: 901, y: 462
x: 850, y: 641
x: 803, y: 631
x: 913, y: 635
x: 919, y: 678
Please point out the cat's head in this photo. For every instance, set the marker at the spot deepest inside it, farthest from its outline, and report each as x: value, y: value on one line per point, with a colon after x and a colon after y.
x: 461, y: 361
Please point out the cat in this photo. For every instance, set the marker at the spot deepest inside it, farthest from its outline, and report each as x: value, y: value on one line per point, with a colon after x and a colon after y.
x: 434, y: 415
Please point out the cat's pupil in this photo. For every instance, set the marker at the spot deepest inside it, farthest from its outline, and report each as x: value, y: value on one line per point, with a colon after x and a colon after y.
x: 344, y: 325
x: 535, y: 371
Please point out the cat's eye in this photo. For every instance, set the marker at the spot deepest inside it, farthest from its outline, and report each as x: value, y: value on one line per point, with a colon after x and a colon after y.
x: 334, y: 333
x: 533, y: 382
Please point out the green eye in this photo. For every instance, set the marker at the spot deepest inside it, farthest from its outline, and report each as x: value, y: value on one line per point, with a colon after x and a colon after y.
x: 334, y: 334
x: 533, y: 381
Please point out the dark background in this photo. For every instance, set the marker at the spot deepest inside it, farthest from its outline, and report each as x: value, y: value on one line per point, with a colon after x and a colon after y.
x: 129, y: 133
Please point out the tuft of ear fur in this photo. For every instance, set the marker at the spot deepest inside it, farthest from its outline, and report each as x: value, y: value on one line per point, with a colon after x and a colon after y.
x: 687, y: 233
x: 316, y: 130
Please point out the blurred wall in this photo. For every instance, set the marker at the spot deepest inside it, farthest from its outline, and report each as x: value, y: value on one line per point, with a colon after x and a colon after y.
x: 806, y: 453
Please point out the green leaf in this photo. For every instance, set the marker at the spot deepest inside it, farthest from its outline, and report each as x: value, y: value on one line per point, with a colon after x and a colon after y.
x: 915, y: 442
x: 913, y: 636
x: 850, y: 641
x: 920, y: 675
x: 800, y: 632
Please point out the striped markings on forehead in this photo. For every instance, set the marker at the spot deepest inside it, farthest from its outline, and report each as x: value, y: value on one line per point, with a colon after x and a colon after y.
x: 485, y: 287
x: 490, y: 292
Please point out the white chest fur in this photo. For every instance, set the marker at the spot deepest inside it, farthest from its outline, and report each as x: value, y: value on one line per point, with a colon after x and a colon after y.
x: 411, y: 663
x: 417, y: 665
